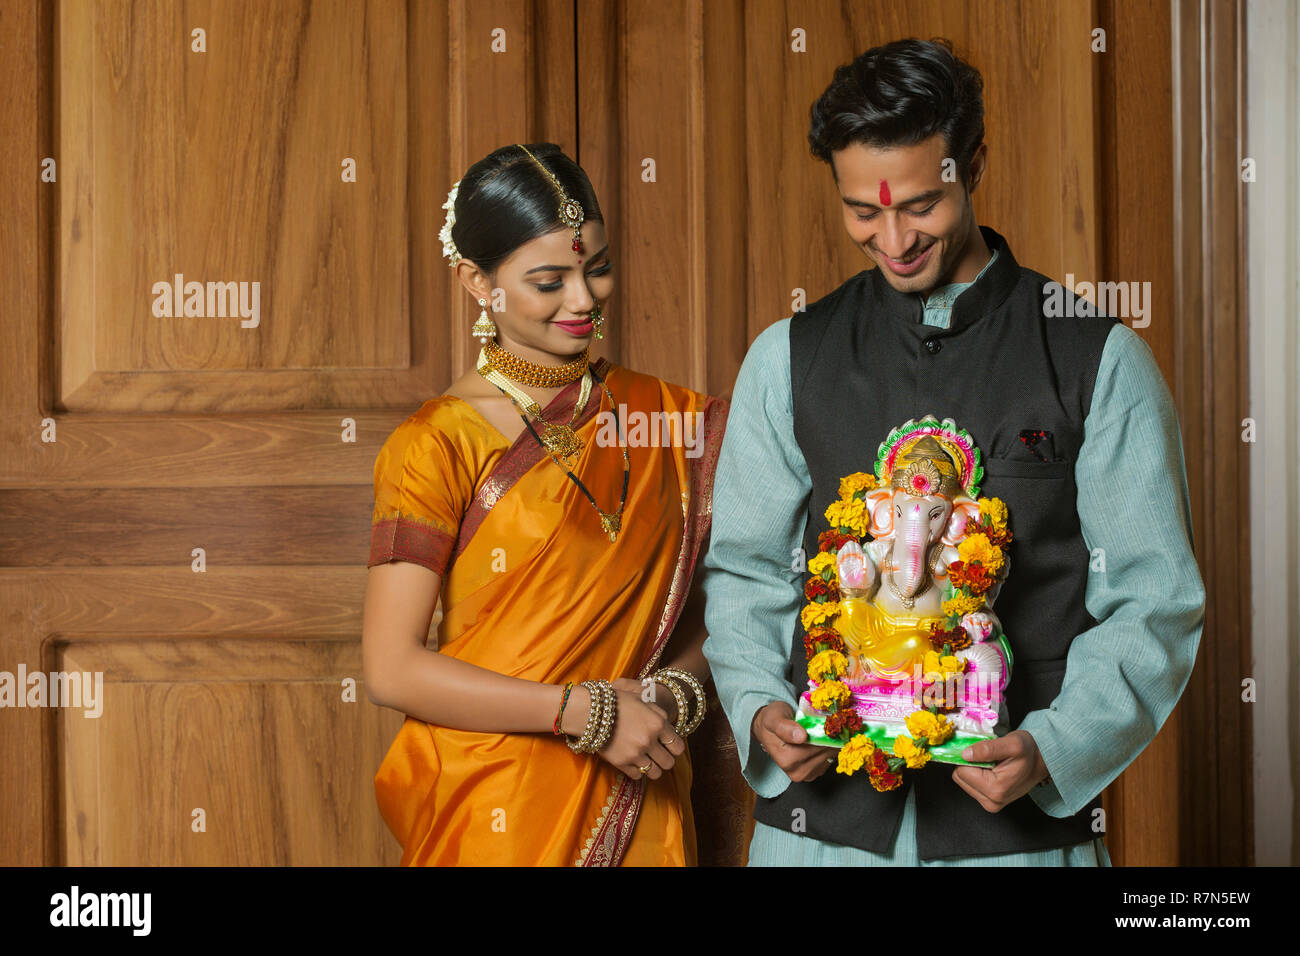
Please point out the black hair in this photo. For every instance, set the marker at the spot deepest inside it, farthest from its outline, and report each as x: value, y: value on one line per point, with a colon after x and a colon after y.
x: 899, y: 94
x: 504, y: 201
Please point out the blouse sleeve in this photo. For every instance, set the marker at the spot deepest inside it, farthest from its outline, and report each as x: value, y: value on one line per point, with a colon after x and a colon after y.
x: 419, y: 498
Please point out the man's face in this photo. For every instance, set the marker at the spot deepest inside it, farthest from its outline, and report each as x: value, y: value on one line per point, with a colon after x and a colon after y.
x: 901, y: 212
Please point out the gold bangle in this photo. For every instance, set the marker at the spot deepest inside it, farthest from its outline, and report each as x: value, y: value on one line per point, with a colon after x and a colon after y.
x: 679, y: 695
x: 595, y: 720
x: 696, y: 688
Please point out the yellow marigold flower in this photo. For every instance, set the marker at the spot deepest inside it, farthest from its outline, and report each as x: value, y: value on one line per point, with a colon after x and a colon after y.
x: 977, y: 547
x: 941, y: 668
x: 935, y: 728
x: 963, y: 604
x: 814, y: 613
x: 854, y: 754
x: 831, y: 692
x: 858, y: 481
x: 820, y: 563
x: 827, y: 662
x: 851, y: 514
x: 915, y: 756
x: 995, y: 510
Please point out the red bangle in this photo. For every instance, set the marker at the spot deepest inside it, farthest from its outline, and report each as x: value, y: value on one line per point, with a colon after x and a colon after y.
x: 563, y: 702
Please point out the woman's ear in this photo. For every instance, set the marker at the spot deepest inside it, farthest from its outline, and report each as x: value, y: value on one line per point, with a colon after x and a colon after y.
x: 474, y: 280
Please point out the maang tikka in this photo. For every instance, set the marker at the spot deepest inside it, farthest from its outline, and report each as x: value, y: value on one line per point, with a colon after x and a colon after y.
x: 570, y: 209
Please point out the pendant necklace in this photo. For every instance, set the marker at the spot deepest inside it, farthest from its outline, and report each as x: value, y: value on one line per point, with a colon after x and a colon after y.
x: 610, y: 521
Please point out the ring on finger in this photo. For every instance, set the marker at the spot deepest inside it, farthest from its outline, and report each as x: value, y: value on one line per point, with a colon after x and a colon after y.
x: 645, y: 770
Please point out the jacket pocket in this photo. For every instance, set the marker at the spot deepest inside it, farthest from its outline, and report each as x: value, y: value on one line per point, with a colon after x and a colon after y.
x: 1020, y: 468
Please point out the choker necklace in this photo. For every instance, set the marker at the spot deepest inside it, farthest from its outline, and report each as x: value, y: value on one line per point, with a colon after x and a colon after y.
x: 557, y: 437
x: 611, y: 522
x: 534, y: 375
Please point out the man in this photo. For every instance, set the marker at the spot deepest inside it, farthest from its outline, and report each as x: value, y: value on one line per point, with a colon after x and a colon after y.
x: 1103, y: 605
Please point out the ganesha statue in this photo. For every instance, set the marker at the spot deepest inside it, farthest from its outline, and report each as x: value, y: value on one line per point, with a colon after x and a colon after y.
x: 913, y: 613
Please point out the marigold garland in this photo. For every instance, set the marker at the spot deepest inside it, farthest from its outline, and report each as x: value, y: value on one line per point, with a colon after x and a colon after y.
x: 981, y: 563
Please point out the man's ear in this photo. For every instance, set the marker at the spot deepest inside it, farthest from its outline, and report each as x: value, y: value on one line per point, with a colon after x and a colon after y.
x: 978, y: 166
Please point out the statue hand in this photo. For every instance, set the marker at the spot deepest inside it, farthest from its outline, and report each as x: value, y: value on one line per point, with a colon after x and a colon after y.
x: 855, y: 570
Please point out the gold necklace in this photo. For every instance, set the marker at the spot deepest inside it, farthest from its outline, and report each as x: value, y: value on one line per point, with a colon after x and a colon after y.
x: 611, y: 522
x: 558, y: 438
x: 534, y: 375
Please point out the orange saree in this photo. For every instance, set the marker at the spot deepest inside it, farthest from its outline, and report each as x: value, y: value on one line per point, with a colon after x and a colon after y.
x: 533, y: 588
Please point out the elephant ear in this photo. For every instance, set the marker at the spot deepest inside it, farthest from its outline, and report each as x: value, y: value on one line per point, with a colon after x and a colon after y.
x: 963, y: 508
x: 880, y: 505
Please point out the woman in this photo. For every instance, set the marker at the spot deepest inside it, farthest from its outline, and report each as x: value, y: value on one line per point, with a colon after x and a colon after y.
x: 564, y: 541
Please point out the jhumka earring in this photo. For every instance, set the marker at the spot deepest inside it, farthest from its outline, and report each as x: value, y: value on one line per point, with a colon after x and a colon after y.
x: 597, y: 321
x: 484, y: 328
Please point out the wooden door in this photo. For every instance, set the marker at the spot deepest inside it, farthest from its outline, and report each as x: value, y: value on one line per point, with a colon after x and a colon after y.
x: 187, y: 493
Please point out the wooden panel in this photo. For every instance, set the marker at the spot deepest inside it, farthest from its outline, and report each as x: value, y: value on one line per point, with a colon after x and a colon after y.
x: 1209, y: 358
x: 198, y: 164
x: 225, y: 166
x: 255, y: 734
x: 1081, y: 181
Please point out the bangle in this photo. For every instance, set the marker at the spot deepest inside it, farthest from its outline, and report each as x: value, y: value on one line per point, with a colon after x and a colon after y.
x: 700, y: 700
x: 679, y: 695
x: 607, y: 715
x: 600, y: 718
x: 563, y: 703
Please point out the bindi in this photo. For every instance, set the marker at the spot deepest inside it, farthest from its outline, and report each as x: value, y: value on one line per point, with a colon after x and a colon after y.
x: 884, y: 193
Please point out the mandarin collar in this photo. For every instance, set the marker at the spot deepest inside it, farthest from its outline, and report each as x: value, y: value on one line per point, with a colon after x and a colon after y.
x: 989, y: 290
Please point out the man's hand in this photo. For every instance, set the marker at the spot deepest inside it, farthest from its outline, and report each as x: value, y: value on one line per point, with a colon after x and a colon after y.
x: 786, y: 743
x: 1019, y: 768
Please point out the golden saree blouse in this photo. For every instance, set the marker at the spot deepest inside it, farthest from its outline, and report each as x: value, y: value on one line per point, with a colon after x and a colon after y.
x: 533, y: 588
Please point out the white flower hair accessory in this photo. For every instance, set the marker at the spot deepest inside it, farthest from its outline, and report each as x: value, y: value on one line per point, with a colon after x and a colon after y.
x: 448, y: 245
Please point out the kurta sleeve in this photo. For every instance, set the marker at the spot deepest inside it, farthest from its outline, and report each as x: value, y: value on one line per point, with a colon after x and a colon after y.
x: 420, y: 497
x: 1124, y: 675
x: 760, y: 497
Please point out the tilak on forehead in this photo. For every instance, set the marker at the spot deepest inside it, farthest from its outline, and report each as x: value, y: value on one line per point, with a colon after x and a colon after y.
x: 884, y: 192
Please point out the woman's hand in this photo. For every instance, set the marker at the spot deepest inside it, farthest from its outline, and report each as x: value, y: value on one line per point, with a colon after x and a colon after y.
x: 643, y: 734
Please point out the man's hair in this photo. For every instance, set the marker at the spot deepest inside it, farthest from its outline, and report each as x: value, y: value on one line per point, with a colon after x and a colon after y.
x: 900, y: 94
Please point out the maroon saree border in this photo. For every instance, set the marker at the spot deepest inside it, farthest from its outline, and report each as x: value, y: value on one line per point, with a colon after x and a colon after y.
x: 613, y: 831
x: 405, y: 537
x: 521, y: 456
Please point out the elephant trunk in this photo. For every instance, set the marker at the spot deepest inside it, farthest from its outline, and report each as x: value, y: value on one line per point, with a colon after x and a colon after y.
x: 912, y: 566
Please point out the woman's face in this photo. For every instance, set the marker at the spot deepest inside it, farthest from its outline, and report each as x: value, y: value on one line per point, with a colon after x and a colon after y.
x: 546, y: 293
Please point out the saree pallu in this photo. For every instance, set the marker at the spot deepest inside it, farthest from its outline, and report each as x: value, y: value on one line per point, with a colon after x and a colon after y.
x: 533, y: 588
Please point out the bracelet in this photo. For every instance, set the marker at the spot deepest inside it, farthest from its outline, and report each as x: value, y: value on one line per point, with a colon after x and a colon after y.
x: 600, y: 719
x: 679, y: 695
x: 583, y: 744
x: 700, y: 700
x: 563, y: 703
x: 607, y: 716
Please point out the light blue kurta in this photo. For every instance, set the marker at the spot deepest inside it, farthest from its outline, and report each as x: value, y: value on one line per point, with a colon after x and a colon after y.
x: 1122, y: 676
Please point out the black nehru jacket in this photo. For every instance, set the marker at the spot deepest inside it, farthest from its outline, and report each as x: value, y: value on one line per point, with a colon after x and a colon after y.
x: 861, y: 364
